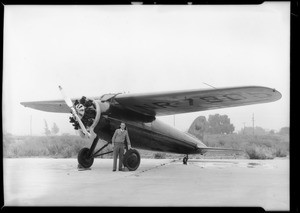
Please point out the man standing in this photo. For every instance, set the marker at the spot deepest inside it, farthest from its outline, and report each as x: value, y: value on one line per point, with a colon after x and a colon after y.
x: 118, y: 142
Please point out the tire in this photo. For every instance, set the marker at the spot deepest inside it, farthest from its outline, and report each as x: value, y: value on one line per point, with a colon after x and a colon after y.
x: 83, y: 158
x: 132, y: 159
x: 185, y: 159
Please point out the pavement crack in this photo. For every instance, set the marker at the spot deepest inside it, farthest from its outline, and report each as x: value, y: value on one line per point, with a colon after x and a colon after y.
x: 146, y: 170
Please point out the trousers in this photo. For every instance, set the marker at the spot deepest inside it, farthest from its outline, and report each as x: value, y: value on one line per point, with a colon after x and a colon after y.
x: 118, y: 151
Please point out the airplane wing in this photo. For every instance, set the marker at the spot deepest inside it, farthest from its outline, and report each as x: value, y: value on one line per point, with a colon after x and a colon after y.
x: 58, y: 106
x: 170, y: 103
x: 176, y: 102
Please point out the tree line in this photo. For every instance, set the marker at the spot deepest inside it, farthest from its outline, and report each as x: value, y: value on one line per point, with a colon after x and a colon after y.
x: 215, y: 124
x: 220, y: 124
x: 54, y: 130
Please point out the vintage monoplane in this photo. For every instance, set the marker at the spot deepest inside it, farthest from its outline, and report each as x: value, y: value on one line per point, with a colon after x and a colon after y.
x: 98, y: 118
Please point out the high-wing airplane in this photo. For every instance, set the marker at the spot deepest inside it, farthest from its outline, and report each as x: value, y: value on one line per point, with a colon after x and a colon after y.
x: 98, y: 118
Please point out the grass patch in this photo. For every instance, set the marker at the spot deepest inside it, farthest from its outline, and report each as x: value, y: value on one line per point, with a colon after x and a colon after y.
x: 256, y: 147
x: 159, y: 155
x: 42, y: 146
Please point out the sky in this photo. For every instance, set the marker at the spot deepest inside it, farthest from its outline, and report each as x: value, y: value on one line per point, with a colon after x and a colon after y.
x: 93, y: 50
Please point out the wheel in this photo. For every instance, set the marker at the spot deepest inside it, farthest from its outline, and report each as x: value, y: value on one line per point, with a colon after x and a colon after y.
x: 185, y: 159
x: 132, y: 159
x: 83, y: 158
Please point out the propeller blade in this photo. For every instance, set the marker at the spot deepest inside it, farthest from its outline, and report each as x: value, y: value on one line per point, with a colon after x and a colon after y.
x: 65, y: 97
x: 70, y: 104
x: 80, y: 123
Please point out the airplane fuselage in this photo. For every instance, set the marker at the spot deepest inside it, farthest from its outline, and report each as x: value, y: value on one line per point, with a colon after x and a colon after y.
x: 149, y: 134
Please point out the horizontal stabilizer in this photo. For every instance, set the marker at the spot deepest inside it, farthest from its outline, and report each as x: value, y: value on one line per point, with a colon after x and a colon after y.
x: 219, y: 149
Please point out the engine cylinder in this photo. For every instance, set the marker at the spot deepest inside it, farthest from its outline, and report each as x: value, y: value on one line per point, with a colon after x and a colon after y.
x: 90, y: 112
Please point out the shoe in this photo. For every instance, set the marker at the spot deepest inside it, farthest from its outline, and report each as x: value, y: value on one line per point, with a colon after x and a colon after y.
x: 121, y: 170
x: 113, y: 170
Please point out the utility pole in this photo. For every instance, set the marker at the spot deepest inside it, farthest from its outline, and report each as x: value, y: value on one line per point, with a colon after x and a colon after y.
x: 244, y: 128
x: 253, y: 122
x: 30, y: 125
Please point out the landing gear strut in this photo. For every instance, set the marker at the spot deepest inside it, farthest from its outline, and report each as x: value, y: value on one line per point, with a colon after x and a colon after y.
x: 185, y: 160
x: 86, y: 156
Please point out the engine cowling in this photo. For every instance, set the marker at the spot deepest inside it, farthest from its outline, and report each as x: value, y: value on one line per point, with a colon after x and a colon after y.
x: 89, y: 111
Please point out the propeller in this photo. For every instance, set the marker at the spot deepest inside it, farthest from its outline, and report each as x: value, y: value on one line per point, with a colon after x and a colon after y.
x: 96, y: 120
x: 70, y: 105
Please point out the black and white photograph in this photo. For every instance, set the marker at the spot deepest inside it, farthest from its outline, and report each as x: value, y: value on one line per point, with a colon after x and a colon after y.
x: 147, y: 105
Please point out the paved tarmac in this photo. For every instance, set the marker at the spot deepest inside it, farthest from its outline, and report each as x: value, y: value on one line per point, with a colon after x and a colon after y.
x: 157, y: 182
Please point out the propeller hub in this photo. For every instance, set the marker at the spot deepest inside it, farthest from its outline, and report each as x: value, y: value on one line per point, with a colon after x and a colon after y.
x: 80, y: 109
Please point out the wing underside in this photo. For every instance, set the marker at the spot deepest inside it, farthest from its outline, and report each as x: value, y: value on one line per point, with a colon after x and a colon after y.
x: 170, y: 103
x: 58, y: 106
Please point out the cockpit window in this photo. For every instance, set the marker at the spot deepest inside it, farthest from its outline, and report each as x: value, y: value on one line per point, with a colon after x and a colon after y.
x: 107, y: 97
